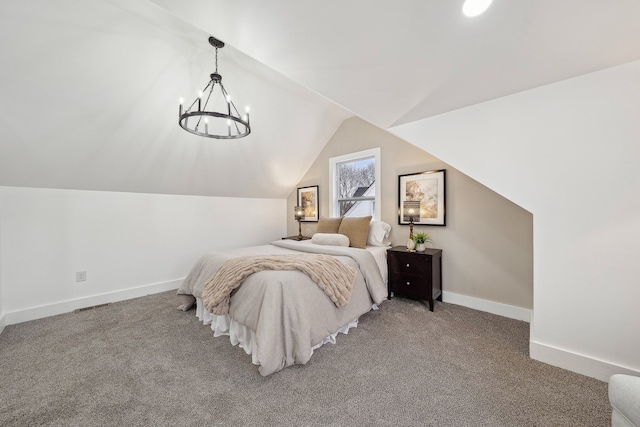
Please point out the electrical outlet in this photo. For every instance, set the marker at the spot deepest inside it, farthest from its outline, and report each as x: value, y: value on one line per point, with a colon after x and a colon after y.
x: 81, y: 276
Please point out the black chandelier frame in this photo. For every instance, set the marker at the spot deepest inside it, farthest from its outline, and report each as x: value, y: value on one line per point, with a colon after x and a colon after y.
x: 237, y: 126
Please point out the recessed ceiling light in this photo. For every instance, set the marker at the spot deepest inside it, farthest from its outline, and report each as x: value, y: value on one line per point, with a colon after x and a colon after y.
x: 473, y: 8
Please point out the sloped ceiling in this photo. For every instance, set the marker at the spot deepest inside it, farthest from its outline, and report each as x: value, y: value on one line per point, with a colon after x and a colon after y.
x: 89, y: 94
x: 89, y: 88
x: 393, y: 62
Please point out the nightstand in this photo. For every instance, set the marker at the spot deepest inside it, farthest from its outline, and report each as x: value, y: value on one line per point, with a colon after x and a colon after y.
x: 416, y: 275
x: 296, y: 238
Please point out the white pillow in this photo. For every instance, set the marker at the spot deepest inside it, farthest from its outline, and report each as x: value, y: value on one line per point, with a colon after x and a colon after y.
x: 332, y: 239
x: 378, y: 234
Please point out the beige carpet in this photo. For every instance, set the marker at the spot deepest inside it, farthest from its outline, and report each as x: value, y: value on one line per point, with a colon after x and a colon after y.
x: 141, y: 362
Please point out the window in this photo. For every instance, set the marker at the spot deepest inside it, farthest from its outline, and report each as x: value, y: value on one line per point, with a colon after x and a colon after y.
x: 355, y: 189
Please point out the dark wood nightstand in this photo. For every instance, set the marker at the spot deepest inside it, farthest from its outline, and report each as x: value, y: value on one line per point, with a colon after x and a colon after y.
x: 296, y: 238
x: 416, y: 275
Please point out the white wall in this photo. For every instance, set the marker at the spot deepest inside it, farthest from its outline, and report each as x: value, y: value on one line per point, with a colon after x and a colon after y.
x: 130, y: 244
x: 487, y: 243
x: 2, y: 320
x: 568, y: 153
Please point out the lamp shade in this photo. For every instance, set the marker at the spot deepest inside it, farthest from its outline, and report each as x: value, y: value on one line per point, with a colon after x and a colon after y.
x: 411, y: 211
x: 298, y: 213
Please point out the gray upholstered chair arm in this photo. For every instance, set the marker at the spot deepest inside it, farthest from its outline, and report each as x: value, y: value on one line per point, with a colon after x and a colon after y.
x: 624, y: 396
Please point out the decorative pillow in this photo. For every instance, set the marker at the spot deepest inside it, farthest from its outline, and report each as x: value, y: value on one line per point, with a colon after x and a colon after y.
x: 328, y: 225
x: 378, y: 234
x: 356, y: 229
x: 333, y: 239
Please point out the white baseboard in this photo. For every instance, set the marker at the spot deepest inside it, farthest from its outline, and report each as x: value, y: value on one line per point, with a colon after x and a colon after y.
x: 510, y: 311
x: 34, y: 313
x: 585, y: 365
x: 2, y: 322
x: 548, y: 354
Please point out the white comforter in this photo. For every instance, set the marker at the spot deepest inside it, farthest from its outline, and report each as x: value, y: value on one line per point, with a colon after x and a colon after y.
x: 286, y: 312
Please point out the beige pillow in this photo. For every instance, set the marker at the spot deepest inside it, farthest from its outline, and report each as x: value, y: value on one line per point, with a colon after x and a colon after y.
x: 356, y: 229
x: 328, y: 225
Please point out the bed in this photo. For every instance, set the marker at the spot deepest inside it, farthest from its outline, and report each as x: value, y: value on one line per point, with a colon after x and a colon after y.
x: 280, y: 317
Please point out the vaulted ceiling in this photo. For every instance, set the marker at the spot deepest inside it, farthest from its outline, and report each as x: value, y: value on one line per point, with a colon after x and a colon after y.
x: 89, y: 88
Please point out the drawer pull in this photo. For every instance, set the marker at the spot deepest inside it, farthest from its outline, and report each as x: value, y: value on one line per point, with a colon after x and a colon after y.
x: 407, y: 265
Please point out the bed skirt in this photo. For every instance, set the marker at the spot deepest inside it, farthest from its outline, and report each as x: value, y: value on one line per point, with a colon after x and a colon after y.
x: 241, y: 335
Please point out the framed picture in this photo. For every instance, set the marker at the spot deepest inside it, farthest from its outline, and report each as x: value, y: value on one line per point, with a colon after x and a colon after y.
x: 427, y: 188
x: 308, y: 199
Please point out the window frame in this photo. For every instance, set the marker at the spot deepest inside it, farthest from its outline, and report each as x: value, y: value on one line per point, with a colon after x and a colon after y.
x: 334, y: 206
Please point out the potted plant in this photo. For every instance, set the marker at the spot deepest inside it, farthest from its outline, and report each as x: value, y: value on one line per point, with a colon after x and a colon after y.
x: 421, y: 239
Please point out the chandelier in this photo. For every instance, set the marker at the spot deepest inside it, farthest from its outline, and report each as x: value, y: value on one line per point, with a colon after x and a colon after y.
x: 213, y: 114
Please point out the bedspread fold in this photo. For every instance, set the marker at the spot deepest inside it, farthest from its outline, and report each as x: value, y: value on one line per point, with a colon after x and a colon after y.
x: 332, y: 276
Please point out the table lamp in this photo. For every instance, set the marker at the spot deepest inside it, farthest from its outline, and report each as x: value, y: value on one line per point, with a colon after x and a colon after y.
x: 411, y: 213
x: 298, y: 214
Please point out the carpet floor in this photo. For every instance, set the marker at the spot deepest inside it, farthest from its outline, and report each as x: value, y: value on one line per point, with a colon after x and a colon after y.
x: 142, y: 362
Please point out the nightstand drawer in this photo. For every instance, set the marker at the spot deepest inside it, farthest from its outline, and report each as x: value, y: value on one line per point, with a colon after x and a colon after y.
x: 407, y: 263
x: 409, y: 284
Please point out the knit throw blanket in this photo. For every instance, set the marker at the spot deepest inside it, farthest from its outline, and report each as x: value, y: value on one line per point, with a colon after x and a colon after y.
x: 333, y: 277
